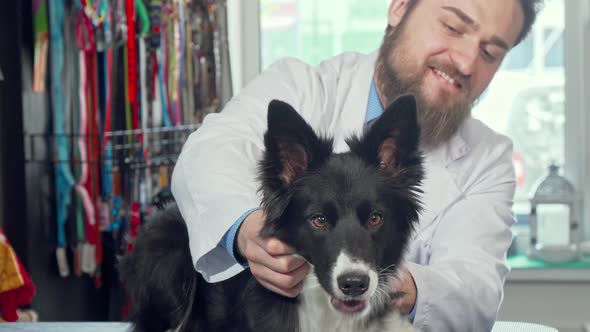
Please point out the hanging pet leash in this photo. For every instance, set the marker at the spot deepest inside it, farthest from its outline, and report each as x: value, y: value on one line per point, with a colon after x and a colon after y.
x: 41, y: 44
x: 107, y: 150
x: 86, y: 263
x: 63, y: 175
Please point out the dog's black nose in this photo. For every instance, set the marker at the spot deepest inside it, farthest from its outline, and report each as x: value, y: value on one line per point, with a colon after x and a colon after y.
x: 353, y: 284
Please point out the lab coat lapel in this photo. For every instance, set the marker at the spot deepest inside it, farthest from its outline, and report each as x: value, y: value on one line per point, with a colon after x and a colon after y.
x: 354, y: 92
x: 440, y: 185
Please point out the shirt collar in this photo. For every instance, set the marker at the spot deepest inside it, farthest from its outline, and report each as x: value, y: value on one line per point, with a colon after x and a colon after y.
x: 374, y: 107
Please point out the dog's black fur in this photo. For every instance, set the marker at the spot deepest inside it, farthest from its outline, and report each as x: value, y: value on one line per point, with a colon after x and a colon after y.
x: 304, y: 185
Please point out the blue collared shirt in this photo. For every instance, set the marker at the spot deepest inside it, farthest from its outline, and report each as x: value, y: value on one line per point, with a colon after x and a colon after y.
x: 374, y: 110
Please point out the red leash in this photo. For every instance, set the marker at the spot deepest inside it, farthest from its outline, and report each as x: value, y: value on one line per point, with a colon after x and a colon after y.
x: 132, y: 66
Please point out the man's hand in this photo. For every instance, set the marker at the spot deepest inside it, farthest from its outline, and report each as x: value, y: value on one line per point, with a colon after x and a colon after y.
x: 271, y: 261
x: 404, y: 289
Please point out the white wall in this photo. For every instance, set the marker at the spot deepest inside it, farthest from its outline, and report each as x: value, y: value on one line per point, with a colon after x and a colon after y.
x: 244, y: 40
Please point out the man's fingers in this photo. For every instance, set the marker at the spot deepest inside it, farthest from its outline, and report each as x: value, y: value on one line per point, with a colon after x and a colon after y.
x: 278, y: 256
x: 290, y: 292
x: 276, y: 247
x: 279, y: 280
x: 281, y: 264
x: 256, y: 254
x: 286, y: 284
x: 302, y: 271
x: 286, y: 263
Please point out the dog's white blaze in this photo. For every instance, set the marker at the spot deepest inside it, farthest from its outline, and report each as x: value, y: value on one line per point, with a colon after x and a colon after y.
x: 316, y: 314
x: 344, y: 264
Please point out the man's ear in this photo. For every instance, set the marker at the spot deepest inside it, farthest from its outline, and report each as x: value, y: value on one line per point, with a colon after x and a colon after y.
x: 397, y: 10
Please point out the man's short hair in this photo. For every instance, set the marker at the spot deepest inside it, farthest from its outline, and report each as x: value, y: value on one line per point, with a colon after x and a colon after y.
x: 531, y: 9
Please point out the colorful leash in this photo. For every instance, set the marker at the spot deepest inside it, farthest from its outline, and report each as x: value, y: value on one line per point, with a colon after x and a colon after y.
x: 83, y: 38
x: 41, y: 44
x: 132, y: 65
x: 155, y: 17
x: 144, y: 17
x: 94, y: 116
x: 163, y: 95
x: 63, y: 175
x: 146, y: 65
x: 132, y: 79
x: 87, y: 265
x: 152, y: 45
x: 107, y: 169
x: 72, y: 125
x: 80, y: 162
x: 146, y: 120
x: 91, y: 253
x: 145, y: 116
x: 168, y: 57
x: 106, y: 162
x: 96, y: 13
x: 189, y: 86
x: 178, y: 21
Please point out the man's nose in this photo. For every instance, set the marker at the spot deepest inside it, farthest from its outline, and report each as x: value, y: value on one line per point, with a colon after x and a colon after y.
x: 465, y: 57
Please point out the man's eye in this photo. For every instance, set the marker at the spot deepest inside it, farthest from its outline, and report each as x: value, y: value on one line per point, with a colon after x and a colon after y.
x: 488, y: 56
x: 451, y: 29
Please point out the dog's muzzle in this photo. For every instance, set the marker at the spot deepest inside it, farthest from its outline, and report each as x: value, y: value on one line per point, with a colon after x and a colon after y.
x: 354, y: 286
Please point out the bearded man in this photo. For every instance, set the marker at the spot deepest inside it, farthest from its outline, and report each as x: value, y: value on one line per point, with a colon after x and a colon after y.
x: 445, y: 53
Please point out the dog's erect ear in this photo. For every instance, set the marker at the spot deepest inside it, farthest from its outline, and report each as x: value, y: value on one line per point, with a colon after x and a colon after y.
x: 291, y: 149
x: 392, y: 141
x: 291, y: 146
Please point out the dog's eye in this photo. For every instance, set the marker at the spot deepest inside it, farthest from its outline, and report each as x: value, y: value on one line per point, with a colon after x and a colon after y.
x: 375, y: 220
x: 319, y: 222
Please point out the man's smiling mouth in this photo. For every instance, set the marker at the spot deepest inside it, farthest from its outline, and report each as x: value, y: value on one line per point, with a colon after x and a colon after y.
x: 446, y: 77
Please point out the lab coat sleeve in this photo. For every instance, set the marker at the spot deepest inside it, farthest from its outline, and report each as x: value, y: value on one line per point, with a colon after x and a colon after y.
x: 214, y: 180
x: 462, y: 286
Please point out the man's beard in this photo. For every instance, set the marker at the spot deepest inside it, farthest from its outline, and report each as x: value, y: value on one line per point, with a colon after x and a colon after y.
x: 438, y: 122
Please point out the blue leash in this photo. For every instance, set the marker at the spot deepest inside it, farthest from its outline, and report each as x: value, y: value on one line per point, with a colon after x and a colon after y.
x: 64, y: 179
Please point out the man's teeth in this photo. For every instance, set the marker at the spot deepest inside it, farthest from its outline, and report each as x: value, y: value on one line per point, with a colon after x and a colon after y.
x: 445, y: 76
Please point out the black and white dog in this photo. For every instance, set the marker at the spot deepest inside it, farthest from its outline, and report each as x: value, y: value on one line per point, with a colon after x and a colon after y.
x: 350, y: 215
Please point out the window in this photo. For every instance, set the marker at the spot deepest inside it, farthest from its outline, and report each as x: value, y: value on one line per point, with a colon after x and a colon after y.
x: 527, y: 100
x: 314, y: 30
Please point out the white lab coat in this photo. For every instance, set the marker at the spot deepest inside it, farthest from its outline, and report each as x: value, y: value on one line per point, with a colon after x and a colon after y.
x: 457, y: 255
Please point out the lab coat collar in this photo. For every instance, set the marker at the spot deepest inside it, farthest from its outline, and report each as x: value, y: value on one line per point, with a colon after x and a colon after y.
x: 457, y: 147
x: 445, y: 154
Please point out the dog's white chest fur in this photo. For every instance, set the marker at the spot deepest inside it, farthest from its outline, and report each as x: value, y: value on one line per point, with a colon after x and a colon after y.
x: 316, y: 314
